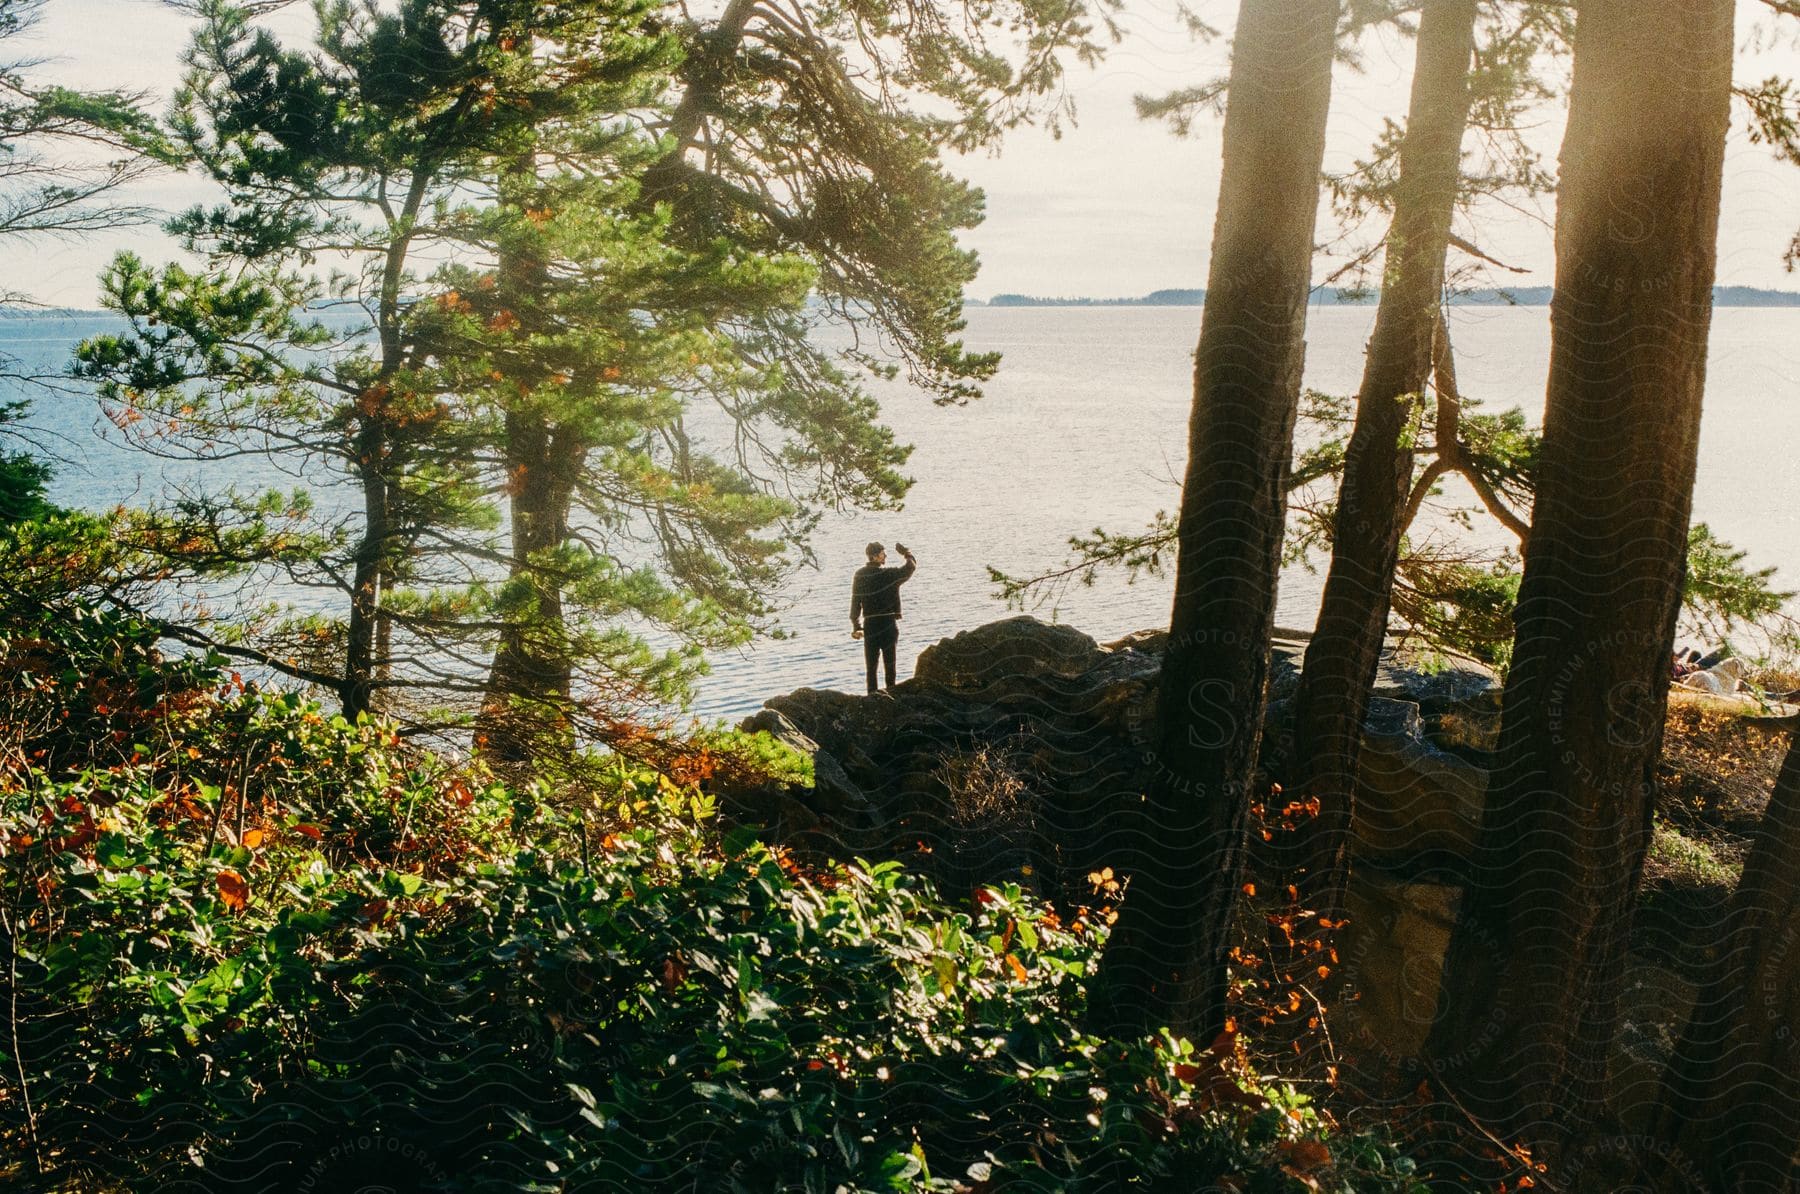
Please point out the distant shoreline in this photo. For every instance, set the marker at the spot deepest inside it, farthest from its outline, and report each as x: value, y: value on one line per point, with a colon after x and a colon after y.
x: 1522, y: 296
x: 27, y: 314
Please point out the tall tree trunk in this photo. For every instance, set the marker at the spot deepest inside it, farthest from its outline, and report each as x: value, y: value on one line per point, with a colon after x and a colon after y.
x: 1166, y: 960
x: 1731, y: 1098
x: 365, y: 647
x: 356, y: 693
x: 1531, y: 981
x: 530, y: 682
x: 1346, y: 649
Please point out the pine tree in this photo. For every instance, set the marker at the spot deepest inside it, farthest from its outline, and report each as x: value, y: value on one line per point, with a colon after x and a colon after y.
x: 776, y: 149
x: 1165, y: 964
x: 1531, y: 981
x: 589, y: 435
x: 1378, y: 469
x: 377, y: 152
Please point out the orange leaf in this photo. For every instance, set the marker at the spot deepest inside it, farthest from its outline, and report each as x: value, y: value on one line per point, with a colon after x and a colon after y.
x: 1018, y: 968
x: 253, y: 838
x: 311, y: 831
x: 1305, y: 1155
x: 234, y: 892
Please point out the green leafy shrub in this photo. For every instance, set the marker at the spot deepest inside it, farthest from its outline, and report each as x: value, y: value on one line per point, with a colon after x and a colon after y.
x: 250, y: 945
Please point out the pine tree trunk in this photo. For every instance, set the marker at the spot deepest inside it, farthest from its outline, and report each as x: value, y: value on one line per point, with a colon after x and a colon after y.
x: 1731, y: 1098
x: 357, y: 692
x: 1531, y: 982
x: 527, y: 706
x: 530, y: 682
x: 1346, y: 649
x: 365, y: 651
x: 1165, y: 963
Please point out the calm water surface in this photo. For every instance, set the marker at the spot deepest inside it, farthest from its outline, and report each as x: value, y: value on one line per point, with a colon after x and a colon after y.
x: 1085, y: 427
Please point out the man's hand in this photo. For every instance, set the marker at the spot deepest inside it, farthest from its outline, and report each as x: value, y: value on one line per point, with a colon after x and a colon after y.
x: 856, y: 632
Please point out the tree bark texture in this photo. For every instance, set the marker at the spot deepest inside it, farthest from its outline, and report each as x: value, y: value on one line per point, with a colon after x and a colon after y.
x: 1166, y: 961
x: 1378, y: 466
x: 1532, y: 978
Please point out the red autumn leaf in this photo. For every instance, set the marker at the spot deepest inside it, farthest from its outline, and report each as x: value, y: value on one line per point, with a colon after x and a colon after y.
x: 311, y: 831
x: 234, y: 892
x: 673, y: 973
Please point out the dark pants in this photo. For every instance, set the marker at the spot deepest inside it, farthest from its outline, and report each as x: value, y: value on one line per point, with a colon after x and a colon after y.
x: 880, y: 638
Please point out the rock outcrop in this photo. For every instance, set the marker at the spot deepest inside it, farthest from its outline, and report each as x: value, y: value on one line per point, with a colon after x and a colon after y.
x: 1025, y: 739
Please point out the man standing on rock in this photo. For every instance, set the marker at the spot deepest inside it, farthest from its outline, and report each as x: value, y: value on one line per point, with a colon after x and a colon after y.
x: 875, y: 608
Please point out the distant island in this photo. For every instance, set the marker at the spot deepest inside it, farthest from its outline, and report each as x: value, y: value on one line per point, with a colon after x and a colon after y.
x: 12, y: 312
x: 1523, y: 296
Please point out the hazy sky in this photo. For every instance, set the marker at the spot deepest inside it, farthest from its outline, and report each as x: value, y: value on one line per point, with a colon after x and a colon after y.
x: 1115, y: 207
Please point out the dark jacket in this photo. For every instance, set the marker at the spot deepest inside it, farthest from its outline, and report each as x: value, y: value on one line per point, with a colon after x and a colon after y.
x: 875, y: 591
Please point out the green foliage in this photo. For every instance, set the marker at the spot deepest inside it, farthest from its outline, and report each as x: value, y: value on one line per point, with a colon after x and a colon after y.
x: 1460, y: 606
x: 389, y: 145
x: 247, y: 942
x: 602, y: 420
x: 114, y: 140
x: 1721, y: 596
x: 1688, y: 862
x: 23, y: 477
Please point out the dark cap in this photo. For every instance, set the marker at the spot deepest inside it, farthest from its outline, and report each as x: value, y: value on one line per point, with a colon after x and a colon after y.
x: 873, y: 550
